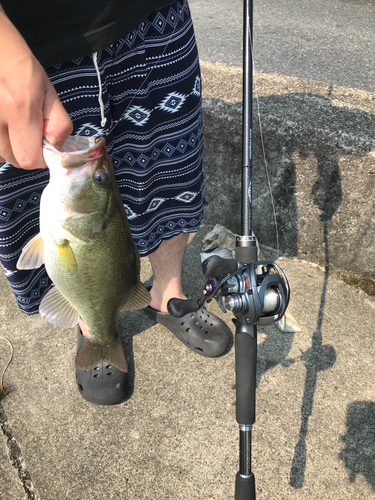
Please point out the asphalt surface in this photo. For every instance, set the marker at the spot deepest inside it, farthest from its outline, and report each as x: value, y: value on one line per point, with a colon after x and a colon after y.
x: 330, y: 41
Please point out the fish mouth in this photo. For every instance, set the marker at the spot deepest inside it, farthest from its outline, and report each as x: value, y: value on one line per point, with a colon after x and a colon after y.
x: 76, y: 151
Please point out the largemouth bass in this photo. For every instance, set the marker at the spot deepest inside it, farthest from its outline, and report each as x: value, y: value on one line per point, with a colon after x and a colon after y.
x: 87, y: 248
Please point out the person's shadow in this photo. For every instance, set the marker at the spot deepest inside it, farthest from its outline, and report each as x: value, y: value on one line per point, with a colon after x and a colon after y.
x: 359, y: 452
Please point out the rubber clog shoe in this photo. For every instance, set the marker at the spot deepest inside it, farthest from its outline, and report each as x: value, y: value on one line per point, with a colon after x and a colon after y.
x: 104, y: 384
x: 202, y: 331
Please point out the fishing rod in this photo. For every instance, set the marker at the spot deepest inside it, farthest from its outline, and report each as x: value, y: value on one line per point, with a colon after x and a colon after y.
x: 256, y: 292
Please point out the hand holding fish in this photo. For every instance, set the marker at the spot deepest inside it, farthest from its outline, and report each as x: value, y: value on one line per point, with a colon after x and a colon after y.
x: 29, y: 105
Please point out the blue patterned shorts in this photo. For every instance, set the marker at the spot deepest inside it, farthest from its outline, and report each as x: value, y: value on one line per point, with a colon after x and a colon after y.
x: 151, y: 117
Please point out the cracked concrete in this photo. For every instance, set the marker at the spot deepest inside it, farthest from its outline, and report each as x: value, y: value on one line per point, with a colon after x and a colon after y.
x: 15, y: 480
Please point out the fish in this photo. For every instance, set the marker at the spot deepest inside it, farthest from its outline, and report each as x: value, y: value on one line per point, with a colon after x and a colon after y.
x: 87, y: 248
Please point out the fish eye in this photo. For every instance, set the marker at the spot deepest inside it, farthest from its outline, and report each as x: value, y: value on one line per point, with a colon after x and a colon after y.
x: 100, y: 177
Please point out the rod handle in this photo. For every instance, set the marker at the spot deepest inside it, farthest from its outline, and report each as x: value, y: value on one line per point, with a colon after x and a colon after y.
x: 246, y: 361
x: 180, y: 307
x: 245, y: 487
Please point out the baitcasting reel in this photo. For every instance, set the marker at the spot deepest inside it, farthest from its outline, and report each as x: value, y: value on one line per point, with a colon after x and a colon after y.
x: 256, y: 293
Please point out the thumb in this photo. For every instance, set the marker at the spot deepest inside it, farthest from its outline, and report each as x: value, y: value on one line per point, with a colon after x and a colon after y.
x: 57, y: 125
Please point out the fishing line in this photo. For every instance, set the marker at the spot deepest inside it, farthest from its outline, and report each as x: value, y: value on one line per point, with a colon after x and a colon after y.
x: 264, y: 150
x: 147, y: 77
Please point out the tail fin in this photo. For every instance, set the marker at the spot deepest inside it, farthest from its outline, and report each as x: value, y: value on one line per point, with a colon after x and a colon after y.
x: 91, y: 353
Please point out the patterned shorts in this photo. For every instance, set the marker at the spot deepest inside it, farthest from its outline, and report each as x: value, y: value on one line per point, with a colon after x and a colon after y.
x: 150, y: 113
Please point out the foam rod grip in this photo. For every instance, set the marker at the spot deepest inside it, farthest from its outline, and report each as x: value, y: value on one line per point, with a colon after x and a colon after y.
x: 245, y: 487
x: 246, y: 361
x: 179, y: 307
x: 216, y: 266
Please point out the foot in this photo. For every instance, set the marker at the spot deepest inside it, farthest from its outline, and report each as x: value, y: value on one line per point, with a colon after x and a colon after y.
x: 166, y: 263
x: 202, y: 332
x: 160, y: 298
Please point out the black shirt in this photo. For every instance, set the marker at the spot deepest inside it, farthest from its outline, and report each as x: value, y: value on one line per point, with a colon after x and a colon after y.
x: 61, y: 30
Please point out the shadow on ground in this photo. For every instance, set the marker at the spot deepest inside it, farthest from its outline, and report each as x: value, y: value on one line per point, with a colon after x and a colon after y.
x: 359, y: 452
x: 296, y: 127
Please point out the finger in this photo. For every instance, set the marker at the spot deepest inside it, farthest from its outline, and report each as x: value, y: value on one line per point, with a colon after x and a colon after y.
x: 6, y: 149
x: 26, y: 136
x: 57, y: 124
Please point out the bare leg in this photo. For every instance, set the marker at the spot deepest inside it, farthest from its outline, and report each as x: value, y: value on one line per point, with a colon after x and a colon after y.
x: 166, y: 263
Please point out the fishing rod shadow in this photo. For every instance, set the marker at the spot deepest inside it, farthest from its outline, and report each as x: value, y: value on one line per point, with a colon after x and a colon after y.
x: 310, y: 174
x: 311, y: 145
x: 309, y: 141
x: 318, y: 357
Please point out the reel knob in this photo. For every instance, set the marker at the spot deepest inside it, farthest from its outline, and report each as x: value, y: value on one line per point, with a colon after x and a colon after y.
x: 233, y: 303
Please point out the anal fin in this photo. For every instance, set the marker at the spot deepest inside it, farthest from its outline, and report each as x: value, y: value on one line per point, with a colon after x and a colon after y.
x: 140, y: 299
x: 91, y: 353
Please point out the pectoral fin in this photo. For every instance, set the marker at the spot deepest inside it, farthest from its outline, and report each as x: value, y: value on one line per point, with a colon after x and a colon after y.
x: 66, y: 255
x: 85, y: 227
x: 90, y: 354
x: 56, y: 309
x: 139, y: 300
x: 32, y: 255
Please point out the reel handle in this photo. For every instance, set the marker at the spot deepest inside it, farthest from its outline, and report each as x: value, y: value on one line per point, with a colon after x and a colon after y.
x: 216, y: 266
x: 180, y: 307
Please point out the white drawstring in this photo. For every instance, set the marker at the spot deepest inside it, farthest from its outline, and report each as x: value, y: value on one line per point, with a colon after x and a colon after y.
x: 104, y: 119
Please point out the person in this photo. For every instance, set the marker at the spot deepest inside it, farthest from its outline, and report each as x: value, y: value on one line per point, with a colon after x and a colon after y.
x: 128, y: 71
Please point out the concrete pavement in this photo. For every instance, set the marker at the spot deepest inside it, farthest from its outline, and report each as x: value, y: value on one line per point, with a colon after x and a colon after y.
x: 176, y: 437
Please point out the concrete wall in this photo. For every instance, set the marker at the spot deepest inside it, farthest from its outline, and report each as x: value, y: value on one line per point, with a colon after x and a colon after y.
x: 320, y: 150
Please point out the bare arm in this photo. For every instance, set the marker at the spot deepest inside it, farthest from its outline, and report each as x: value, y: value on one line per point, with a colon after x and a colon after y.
x: 29, y: 105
